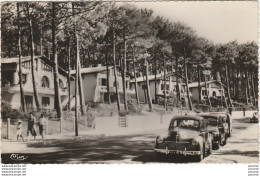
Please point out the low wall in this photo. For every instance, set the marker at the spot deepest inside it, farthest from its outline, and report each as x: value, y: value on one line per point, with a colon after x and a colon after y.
x: 147, y: 122
x: 239, y: 114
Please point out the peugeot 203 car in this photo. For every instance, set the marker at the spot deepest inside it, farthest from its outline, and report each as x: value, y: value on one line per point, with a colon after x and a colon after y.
x: 187, y: 135
x: 216, y: 127
x: 227, y: 123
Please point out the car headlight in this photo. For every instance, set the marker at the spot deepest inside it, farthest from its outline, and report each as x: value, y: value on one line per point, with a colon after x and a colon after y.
x: 159, y: 140
x: 193, y: 142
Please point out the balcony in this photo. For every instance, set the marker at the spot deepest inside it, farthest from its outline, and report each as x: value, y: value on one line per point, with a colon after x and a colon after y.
x: 15, y: 88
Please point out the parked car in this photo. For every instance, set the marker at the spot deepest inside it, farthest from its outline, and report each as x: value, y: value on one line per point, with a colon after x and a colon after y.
x: 216, y: 127
x: 227, y: 121
x: 187, y: 135
x: 255, y: 117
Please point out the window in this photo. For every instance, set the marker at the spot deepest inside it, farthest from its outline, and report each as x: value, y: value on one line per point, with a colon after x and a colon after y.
x: 167, y: 87
x: 24, y: 78
x: 103, y: 82
x: 45, y: 81
x: 28, y: 101
x: 45, y: 101
x: 203, y: 92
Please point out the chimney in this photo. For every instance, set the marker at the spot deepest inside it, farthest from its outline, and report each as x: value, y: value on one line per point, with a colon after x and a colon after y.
x: 99, y: 65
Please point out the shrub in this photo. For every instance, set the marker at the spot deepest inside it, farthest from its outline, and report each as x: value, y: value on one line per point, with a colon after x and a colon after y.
x: 8, y: 112
x: 133, y: 107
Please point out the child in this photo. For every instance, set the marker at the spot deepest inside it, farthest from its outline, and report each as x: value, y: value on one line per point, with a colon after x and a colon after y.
x: 19, y: 128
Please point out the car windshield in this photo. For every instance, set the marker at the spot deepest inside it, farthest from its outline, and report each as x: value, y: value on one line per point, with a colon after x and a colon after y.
x: 185, y: 124
x: 211, y: 121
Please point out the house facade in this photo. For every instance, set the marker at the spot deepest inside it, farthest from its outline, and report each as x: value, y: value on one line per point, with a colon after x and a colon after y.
x: 159, y: 90
x: 94, y: 82
x: 214, y: 90
x: 10, y: 88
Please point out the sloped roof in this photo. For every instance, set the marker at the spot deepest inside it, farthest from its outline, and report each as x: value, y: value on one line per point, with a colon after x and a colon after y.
x: 195, y: 84
x: 92, y: 69
x: 28, y: 58
x: 15, y: 59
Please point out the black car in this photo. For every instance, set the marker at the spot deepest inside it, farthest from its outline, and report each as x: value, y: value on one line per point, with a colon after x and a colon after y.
x: 187, y: 135
x: 216, y: 127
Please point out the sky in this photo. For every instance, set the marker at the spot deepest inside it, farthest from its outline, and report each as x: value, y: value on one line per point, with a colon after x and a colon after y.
x: 220, y: 22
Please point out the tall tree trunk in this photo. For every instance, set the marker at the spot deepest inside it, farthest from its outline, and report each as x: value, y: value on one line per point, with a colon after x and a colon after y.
x: 253, y: 88
x: 55, y: 66
x: 177, y: 79
x: 115, y: 72
x: 81, y: 91
x: 136, y: 91
x: 76, y: 79
x: 164, y: 79
x: 155, y: 83
x: 20, y: 60
x: 246, y: 95
x: 145, y: 97
x: 227, y: 82
x: 41, y: 47
x: 35, y: 92
x: 237, y: 83
x: 78, y: 66
x: 187, y: 84
x: 248, y: 87
x: 206, y: 89
x: 199, y: 87
x: 124, y: 76
x: 108, y: 91
x: 148, y: 87
x: 69, y: 104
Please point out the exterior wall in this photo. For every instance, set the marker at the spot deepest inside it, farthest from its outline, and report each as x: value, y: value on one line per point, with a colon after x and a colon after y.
x: 211, y: 89
x: 159, y: 92
x: 94, y: 90
x: 11, y: 93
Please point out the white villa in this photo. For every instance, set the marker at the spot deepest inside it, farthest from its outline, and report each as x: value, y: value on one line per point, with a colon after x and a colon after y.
x: 214, y: 90
x: 94, y: 82
x: 10, y: 89
x: 170, y: 86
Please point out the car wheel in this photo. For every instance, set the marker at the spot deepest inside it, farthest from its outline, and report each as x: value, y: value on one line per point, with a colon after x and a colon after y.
x: 225, y: 141
x: 209, y: 149
x: 201, y: 156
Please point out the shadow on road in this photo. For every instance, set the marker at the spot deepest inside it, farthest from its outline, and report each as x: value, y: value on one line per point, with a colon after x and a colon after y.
x: 120, y: 149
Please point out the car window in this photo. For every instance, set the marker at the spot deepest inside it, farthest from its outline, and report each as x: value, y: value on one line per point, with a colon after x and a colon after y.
x: 185, y: 124
x: 211, y: 121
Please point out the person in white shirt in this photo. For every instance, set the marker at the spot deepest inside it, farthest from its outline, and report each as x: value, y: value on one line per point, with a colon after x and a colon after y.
x: 42, y: 125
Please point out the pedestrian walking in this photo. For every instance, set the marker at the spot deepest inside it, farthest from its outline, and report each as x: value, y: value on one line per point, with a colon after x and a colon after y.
x: 42, y: 125
x: 19, y: 129
x: 31, y: 126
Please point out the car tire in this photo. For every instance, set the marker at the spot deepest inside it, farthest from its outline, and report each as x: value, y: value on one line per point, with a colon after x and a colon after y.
x: 201, y: 156
x: 225, y: 141
x: 216, y: 146
x: 209, y: 149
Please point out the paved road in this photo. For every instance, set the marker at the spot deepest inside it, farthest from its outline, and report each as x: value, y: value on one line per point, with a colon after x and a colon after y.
x: 138, y: 148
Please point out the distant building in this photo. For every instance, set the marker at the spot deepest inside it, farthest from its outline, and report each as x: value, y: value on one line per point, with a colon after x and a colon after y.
x: 94, y: 82
x: 10, y: 89
x: 214, y: 90
x: 170, y: 86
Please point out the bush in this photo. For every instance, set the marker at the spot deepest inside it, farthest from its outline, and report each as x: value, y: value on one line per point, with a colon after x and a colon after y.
x: 133, y: 107
x: 8, y: 112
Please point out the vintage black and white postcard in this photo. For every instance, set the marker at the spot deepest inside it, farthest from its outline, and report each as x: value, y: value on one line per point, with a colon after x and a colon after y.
x: 87, y: 82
